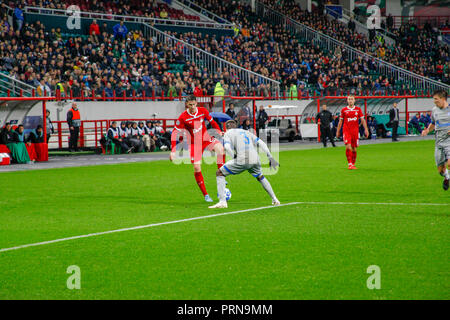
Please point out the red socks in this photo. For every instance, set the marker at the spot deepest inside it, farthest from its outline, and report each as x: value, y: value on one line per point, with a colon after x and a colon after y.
x: 220, y: 161
x: 200, y: 182
x: 349, y: 155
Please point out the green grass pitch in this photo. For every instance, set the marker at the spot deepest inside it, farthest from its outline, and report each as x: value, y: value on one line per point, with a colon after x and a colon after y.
x: 302, y: 251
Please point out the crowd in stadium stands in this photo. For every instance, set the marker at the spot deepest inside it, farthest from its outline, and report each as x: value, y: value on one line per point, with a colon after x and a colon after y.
x: 97, y: 65
x: 121, y: 62
x: 417, y: 48
x: 143, y: 8
x: 273, y: 52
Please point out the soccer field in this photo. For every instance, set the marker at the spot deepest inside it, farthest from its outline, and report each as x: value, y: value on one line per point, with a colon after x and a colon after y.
x: 392, y: 213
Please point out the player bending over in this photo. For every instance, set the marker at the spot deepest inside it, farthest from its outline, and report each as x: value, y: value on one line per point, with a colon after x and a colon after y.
x: 243, y: 143
x: 350, y: 116
x: 440, y: 121
x: 192, y: 121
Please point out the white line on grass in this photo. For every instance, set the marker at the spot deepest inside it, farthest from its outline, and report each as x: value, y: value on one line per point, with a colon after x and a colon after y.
x: 140, y: 227
x: 378, y: 203
x: 213, y: 216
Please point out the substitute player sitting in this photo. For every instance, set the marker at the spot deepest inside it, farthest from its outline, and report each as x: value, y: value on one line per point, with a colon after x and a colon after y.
x: 350, y: 116
x: 242, y: 143
x: 440, y: 121
x: 191, y: 124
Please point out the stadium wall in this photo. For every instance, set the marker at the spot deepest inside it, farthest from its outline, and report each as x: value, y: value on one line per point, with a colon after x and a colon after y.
x: 52, y: 21
x: 27, y: 112
x: 119, y: 110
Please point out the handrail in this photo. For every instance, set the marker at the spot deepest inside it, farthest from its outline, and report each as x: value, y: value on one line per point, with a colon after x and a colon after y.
x: 126, y: 18
x: 330, y: 43
x: 14, y: 86
x: 200, y: 9
x: 433, y: 20
x: 212, y: 62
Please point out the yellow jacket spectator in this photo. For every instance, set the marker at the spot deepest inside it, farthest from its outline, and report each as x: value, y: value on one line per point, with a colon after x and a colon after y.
x: 218, y: 90
x: 293, y: 92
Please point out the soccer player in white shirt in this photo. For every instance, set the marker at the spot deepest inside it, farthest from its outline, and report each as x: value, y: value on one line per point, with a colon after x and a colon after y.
x: 241, y: 145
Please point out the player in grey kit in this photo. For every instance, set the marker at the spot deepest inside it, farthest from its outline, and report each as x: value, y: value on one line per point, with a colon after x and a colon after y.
x: 440, y: 121
x: 243, y: 143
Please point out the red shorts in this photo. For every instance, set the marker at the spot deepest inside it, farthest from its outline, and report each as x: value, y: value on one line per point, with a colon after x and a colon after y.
x: 197, y: 154
x: 351, y: 138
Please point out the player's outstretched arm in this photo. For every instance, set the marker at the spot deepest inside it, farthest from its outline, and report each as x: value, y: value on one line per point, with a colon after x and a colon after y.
x: 272, y: 162
x: 427, y: 130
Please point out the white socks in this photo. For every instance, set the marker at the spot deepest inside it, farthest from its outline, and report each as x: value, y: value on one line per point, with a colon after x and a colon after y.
x: 266, y: 185
x: 446, y: 174
x: 221, y: 182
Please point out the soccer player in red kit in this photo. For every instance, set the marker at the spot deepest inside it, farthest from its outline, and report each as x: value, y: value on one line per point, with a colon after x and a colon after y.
x: 192, y: 122
x: 350, y: 116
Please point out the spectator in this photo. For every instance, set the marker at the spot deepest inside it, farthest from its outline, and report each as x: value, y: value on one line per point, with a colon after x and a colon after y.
x: 120, y: 31
x: 163, y: 14
x: 94, y: 28
x: 262, y: 118
x: 390, y: 22
x: 246, y: 125
x: 18, y: 16
x: 49, y: 125
x: 231, y: 111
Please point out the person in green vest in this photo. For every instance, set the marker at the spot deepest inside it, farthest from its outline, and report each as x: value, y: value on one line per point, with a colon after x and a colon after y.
x: 293, y: 94
x: 236, y: 30
x: 219, y: 90
x: 60, y: 87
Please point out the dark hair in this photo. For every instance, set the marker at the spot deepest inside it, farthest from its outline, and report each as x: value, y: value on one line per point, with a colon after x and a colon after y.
x: 230, y: 124
x: 191, y: 97
x: 441, y: 93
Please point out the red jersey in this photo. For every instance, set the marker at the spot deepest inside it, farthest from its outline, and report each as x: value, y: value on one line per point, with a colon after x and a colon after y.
x: 351, y: 117
x: 194, y: 124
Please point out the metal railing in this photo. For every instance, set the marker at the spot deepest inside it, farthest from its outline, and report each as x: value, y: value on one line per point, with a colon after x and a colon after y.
x: 15, y: 88
x: 203, y: 11
x: 213, y: 63
x: 348, y: 52
x: 125, y: 18
x: 434, y: 21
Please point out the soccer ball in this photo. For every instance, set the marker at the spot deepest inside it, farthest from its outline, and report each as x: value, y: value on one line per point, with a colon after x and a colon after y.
x: 227, y: 194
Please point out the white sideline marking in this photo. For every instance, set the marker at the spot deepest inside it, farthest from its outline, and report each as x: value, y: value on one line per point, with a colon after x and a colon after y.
x: 213, y: 216
x: 379, y: 203
x: 141, y: 227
